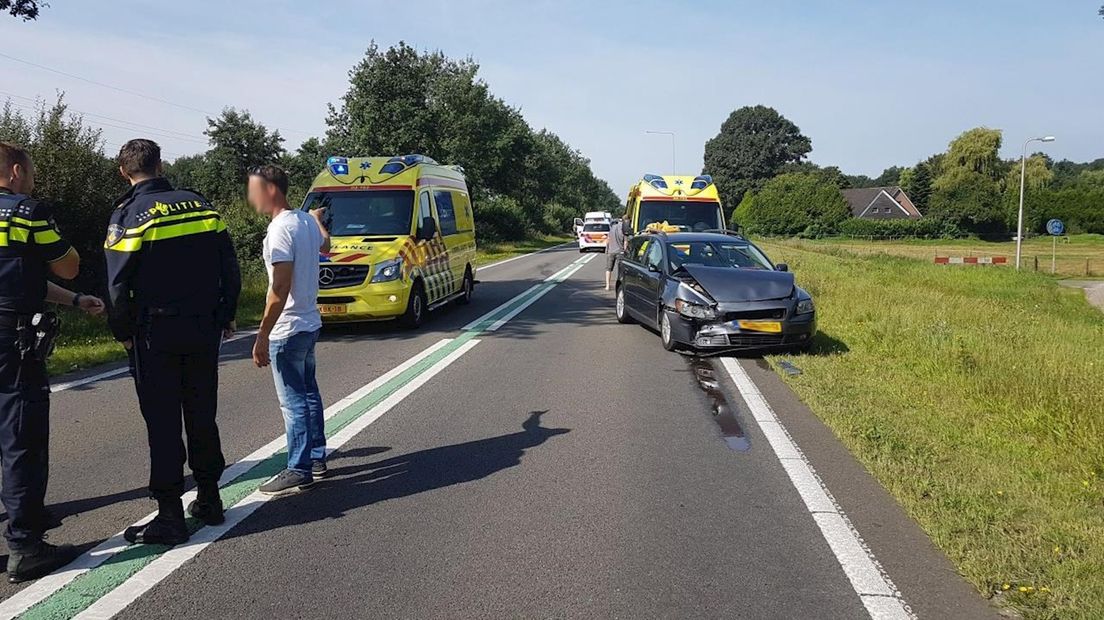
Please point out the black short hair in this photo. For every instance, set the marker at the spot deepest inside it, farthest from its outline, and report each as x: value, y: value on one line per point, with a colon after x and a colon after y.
x: 140, y: 156
x: 10, y: 155
x: 273, y: 174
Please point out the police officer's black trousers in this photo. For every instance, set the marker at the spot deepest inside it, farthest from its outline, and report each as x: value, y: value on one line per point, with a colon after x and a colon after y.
x: 24, y: 443
x: 175, y: 366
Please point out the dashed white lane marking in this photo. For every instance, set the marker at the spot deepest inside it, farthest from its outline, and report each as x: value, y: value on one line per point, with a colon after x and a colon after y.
x: 876, y: 591
x: 156, y: 571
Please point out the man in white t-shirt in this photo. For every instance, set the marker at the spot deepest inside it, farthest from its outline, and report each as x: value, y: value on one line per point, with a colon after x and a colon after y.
x: 290, y: 325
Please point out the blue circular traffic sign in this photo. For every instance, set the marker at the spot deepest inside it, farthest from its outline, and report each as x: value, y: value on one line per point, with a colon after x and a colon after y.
x: 1056, y: 227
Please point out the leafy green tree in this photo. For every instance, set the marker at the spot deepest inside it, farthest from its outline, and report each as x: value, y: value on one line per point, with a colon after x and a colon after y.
x: 238, y: 143
x: 25, y: 9
x: 71, y: 173
x: 401, y: 101
x: 969, y: 199
x: 792, y: 204
x: 753, y: 145
x: 891, y: 176
x: 975, y: 150
x: 917, y: 183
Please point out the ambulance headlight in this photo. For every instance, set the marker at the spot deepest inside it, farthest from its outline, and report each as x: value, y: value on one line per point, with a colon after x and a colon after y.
x: 388, y: 271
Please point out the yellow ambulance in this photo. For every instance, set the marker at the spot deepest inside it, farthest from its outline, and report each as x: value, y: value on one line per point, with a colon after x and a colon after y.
x: 402, y: 238
x: 670, y: 202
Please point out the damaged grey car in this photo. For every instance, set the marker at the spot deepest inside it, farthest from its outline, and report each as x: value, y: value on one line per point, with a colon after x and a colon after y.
x: 712, y: 292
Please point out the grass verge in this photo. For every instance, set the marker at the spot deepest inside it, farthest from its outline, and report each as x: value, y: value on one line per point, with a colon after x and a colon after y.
x: 1077, y: 256
x: 974, y: 396
x: 85, y: 341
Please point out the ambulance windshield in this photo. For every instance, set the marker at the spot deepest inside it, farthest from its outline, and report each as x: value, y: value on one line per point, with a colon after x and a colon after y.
x: 365, y: 213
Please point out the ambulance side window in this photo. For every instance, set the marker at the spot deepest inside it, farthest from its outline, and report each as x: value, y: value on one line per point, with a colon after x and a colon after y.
x: 446, y: 212
x: 424, y: 211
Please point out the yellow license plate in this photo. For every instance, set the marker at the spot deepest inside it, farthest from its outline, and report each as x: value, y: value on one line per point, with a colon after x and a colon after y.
x: 771, y: 327
x: 333, y: 308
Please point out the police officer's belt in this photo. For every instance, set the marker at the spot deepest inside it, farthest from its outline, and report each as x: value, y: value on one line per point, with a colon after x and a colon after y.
x: 13, y: 320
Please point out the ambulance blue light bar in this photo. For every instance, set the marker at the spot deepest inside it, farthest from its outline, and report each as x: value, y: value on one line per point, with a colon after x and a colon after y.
x: 396, y: 165
x: 701, y: 182
x: 655, y: 181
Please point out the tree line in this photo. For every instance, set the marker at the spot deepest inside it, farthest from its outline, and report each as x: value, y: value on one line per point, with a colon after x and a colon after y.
x: 399, y: 101
x: 758, y: 161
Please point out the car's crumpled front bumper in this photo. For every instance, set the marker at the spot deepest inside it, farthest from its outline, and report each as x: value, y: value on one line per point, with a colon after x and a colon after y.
x: 725, y: 333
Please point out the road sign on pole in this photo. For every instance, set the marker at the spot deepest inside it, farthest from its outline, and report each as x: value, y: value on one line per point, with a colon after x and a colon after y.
x: 1055, y: 227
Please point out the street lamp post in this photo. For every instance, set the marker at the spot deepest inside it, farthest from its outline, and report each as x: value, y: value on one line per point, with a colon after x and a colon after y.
x: 1023, y: 175
x: 674, y: 168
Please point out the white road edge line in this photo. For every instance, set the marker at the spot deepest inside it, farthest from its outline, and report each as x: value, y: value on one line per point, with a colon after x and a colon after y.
x: 157, y: 570
x: 44, y: 587
x: 514, y: 258
x: 881, y: 598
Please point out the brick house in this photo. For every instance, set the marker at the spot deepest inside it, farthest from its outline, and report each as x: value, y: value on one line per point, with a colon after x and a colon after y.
x: 880, y: 203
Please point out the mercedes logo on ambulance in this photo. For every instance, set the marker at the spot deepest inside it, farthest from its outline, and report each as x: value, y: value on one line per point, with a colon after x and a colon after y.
x: 326, y: 276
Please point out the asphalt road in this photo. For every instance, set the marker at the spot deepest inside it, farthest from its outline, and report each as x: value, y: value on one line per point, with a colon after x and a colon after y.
x: 552, y: 464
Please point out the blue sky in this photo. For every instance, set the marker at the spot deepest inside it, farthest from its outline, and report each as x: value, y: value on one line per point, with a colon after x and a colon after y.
x: 871, y: 83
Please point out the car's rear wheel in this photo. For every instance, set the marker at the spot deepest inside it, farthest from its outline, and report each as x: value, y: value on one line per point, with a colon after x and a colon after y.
x: 619, y: 306
x: 415, y: 308
x: 665, y: 334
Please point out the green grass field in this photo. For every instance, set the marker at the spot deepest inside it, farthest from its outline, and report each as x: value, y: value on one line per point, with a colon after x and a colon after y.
x: 1075, y: 256
x: 85, y: 340
x: 975, y: 396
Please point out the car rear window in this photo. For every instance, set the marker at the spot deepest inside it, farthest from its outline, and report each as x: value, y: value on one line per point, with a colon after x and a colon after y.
x: 596, y: 227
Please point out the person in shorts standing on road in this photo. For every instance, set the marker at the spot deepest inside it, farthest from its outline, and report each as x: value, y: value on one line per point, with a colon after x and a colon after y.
x: 290, y: 326
x: 615, y: 249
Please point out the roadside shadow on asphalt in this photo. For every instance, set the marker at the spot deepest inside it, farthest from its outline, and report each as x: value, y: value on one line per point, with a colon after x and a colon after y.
x: 355, y: 486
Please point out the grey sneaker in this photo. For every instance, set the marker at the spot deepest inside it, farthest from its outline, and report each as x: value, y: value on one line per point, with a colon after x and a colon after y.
x: 287, y: 482
x: 319, y: 470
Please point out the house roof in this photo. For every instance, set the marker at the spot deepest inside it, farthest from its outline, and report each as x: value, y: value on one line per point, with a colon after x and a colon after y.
x: 859, y: 199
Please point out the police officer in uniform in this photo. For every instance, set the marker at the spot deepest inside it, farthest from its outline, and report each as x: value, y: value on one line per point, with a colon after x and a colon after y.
x: 30, y: 249
x: 173, y: 282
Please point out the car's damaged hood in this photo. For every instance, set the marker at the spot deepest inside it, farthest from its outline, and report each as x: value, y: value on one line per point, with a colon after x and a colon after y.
x: 731, y: 285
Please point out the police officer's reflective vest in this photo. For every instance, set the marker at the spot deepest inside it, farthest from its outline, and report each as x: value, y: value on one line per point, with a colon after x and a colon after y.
x: 29, y: 241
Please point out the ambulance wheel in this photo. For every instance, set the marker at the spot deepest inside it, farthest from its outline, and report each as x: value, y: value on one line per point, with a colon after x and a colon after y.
x: 466, y: 287
x: 415, y: 308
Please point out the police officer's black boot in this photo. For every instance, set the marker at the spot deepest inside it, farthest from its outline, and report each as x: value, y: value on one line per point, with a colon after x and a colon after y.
x: 167, y: 528
x: 45, y: 559
x: 207, y: 506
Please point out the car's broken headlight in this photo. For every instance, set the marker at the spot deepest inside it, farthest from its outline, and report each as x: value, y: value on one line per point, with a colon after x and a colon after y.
x: 804, y: 306
x: 694, y: 311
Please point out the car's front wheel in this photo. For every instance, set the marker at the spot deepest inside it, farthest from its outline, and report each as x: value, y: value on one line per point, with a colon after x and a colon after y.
x: 619, y: 306
x: 665, y: 332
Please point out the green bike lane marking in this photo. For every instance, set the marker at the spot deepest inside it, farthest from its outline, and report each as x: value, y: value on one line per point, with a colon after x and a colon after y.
x: 88, y: 587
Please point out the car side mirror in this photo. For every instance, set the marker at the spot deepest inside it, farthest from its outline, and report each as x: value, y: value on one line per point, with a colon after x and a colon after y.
x: 652, y: 267
x: 781, y: 267
x: 427, y: 230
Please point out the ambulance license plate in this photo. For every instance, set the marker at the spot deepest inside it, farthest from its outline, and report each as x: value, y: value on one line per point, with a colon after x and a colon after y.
x: 771, y: 327
x: 333, y: 308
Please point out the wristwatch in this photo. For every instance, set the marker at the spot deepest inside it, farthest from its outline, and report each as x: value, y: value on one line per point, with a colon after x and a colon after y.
x: 76, y: 300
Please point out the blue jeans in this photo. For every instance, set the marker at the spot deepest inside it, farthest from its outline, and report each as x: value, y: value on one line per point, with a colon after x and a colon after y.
x: 293, y: 372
